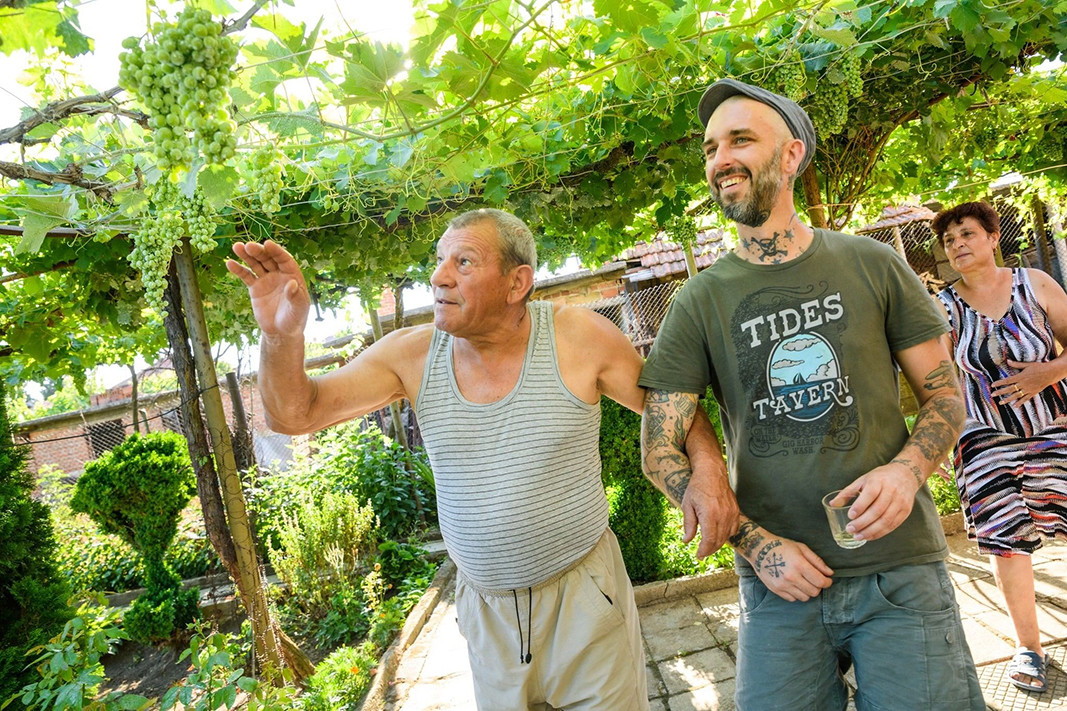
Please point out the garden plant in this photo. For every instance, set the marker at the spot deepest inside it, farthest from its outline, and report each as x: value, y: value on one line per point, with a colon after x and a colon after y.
x: 137, y: 491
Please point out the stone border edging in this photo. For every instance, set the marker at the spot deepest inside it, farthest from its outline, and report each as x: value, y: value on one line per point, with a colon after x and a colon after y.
x: 416, y: 620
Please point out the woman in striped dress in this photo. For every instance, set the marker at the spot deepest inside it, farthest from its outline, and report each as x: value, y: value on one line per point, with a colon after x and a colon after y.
x: 1011, y: 459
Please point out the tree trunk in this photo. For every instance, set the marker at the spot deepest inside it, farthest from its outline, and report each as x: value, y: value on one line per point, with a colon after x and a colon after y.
x: 243, y: 449
x: 394, y: 407
x: 207, y: 482
x: 133, y: 399
x: 1041, y: 234
x: 269, y: 643
x: 810, y: 182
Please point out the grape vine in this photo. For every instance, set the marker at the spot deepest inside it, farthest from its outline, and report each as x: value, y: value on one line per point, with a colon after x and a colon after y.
x: 181, y: 76
x: 682, y: 229
x: 828, y: 106
x: 171, y: 215
x: 789, y: 79
x: 267, y: 174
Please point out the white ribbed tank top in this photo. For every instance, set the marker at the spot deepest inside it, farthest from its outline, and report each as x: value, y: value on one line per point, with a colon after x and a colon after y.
x: 519, y: 495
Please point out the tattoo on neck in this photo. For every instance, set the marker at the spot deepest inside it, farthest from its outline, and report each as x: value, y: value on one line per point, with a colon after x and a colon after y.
x: 768, y: 248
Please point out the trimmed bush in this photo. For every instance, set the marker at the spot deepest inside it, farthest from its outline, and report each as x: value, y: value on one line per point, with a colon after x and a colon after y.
x: 638, y: 511
x: 33, y: 596
x: 649, y: 529
x: 137, y: 491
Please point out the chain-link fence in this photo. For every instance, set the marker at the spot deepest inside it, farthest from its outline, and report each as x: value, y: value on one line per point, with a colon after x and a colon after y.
x: 69, y: 440
x: 638, y: 313
x: 907, y: 229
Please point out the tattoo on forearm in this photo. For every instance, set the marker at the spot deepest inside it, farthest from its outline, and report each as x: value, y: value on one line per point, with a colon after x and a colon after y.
x: 937, y: 426
x: 665, y: 424
x: 915, y: 471
x: 939, y: 420
x: 747, y: 538
x: 676, y: 483
x: 943, y: 376
x: 768, y: 560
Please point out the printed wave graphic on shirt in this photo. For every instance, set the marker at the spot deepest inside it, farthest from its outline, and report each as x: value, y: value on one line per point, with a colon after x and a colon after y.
x: 804, y: 379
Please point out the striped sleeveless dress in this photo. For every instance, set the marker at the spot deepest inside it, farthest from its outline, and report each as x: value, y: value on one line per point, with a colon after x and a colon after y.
x: 1011, y: 460
x: 519, y: 494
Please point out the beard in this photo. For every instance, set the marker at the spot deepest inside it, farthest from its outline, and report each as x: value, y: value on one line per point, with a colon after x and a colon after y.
x: 753, y: 210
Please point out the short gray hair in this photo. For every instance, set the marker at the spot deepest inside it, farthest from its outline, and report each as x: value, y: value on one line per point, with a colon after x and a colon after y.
x: 517, y: 245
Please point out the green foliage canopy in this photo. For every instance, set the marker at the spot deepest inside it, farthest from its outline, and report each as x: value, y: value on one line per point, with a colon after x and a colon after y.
x: 579, y: 117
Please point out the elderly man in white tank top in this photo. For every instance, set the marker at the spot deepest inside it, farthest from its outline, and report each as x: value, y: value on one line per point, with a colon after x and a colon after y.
x: 507, y: 396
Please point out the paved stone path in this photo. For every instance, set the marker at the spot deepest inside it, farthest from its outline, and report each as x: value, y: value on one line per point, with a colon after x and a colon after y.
x: 691, y: 641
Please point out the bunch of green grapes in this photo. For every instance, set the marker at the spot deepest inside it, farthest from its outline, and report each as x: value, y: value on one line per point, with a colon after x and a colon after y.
x: 789, y: 80
x: 850, y: 67
x: 181, y: 77
x: 267, y: 172
x: 828, y: 108
x: 682, y: 229
x: 161, y: 229
x: 200, y: 221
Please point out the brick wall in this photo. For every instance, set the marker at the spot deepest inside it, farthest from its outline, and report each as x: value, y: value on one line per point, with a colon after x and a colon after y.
x: 65, y: 440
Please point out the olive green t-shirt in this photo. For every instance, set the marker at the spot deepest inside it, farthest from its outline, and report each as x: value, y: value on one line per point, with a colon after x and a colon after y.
x: 800, y: 358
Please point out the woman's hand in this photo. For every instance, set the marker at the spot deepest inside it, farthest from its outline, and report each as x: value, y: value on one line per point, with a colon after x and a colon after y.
x: 1022, y: 387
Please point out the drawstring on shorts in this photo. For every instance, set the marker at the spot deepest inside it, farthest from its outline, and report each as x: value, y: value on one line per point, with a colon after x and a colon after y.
x: 524, y: 658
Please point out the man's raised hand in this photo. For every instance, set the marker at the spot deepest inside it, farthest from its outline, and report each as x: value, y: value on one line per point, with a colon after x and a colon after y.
x: 280, y: 300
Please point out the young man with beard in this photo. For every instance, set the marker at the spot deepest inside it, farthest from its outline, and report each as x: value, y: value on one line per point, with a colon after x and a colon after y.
x: 507, y: 394
x: 800, y: 332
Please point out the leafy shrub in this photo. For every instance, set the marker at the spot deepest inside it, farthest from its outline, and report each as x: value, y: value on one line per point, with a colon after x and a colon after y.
x: 326, y: 549
x: 322, y: 544
x: 69, y: 670
x: 33, y: 594
x: 137, y: 492
x: 649, y: 529
x: 341, y: 679
x: 218, y: 676
x: 347, y: 459
x: 406, y: 568
x: 94, y: 561
x: 637, y: 510
x: 946, y: 495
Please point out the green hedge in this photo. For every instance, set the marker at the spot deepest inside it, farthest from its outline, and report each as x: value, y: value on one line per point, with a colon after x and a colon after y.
x: 33, y: 594
x: 649, y: 529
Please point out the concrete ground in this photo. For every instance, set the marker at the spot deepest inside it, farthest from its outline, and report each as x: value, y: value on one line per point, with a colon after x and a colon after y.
x: 690, y: 633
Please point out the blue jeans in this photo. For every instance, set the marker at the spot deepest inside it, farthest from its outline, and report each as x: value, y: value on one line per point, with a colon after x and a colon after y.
x: 900, y: 628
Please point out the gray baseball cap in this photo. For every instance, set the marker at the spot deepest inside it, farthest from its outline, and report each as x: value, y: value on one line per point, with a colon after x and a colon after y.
x: 795, y: 117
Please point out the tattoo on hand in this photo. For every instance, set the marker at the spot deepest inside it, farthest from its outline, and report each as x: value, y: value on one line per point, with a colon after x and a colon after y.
x: 774, y: 565
x: 915, y: 471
